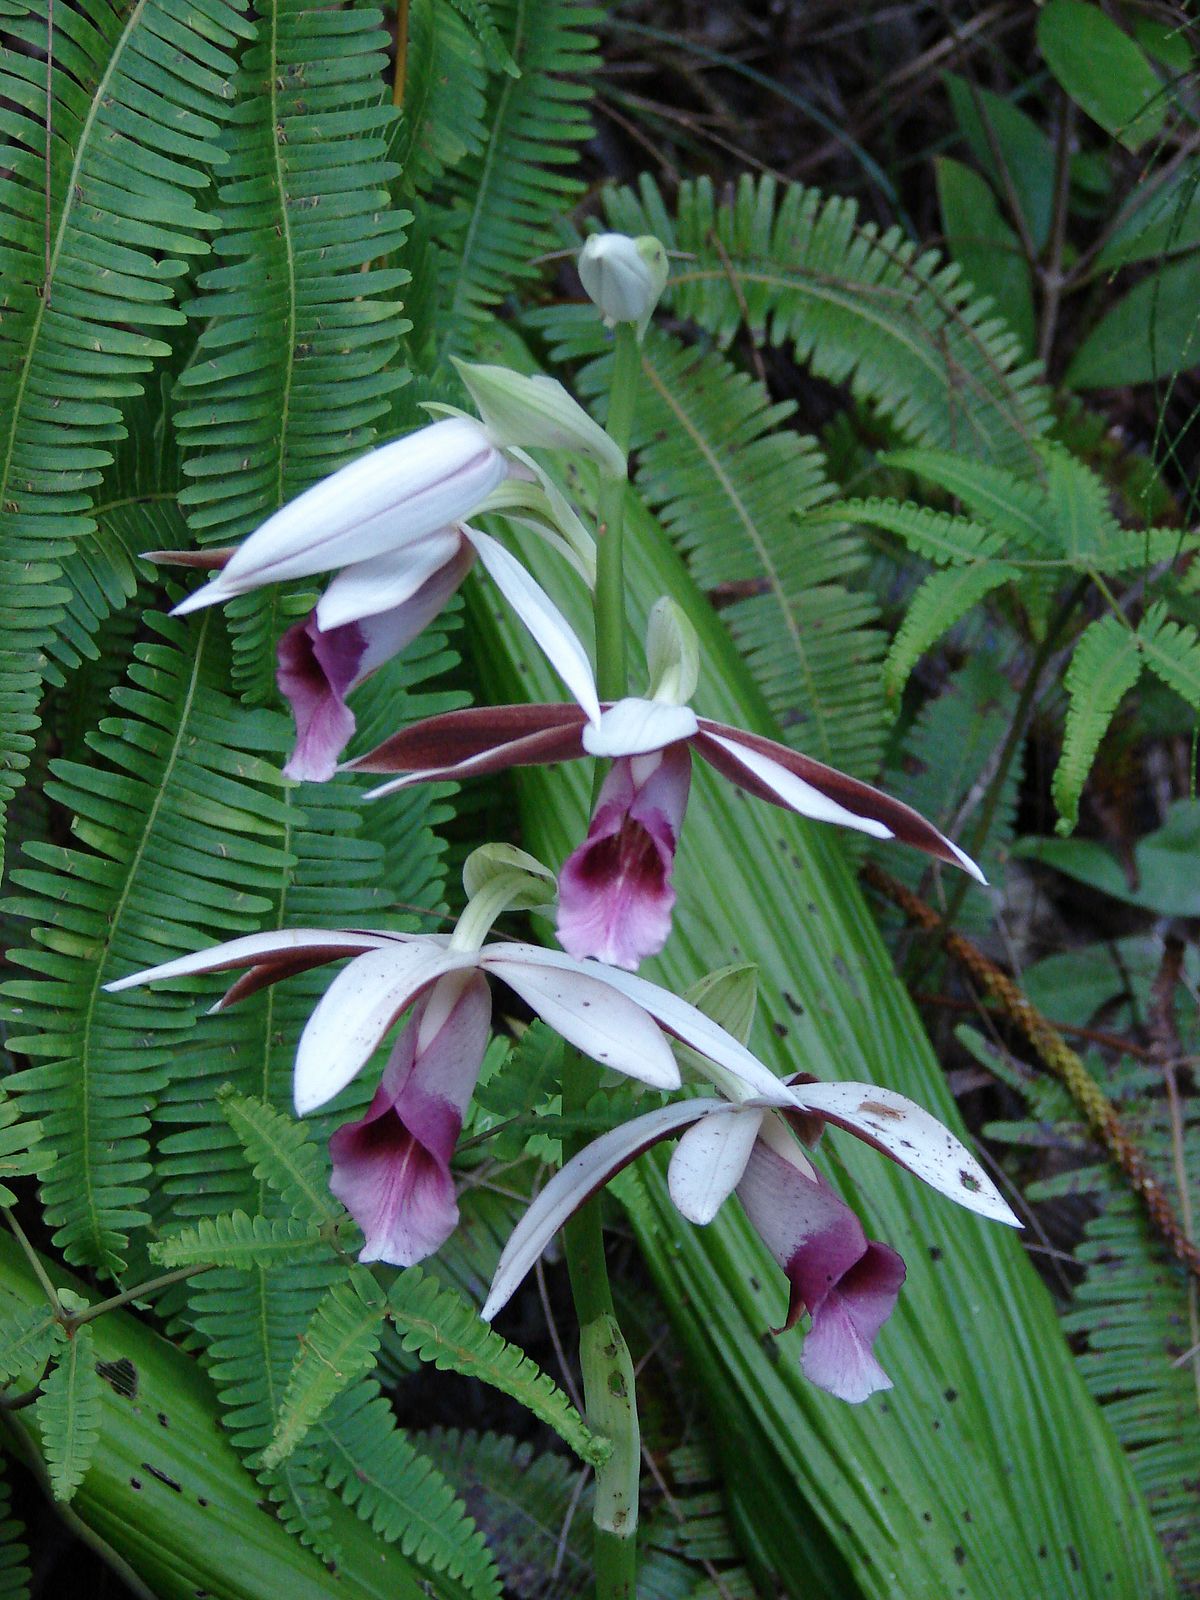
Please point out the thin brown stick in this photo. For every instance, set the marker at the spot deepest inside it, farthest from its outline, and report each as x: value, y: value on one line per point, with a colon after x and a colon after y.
x: 1056, y: 1053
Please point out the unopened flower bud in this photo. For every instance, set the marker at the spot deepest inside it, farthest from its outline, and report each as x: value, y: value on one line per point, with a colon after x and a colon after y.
x: 625, y: 277
x: 672, y: 654
x: 537, y: 412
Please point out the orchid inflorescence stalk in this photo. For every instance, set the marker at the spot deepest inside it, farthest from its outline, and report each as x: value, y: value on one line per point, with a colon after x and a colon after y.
x: 393, y: 527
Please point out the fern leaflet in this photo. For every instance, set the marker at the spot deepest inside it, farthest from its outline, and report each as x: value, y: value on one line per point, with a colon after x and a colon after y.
x: 14, y: 1552
x: 283, y: 1156
x: 1172, y: 651
x: 938, y: 604
x: 1105, y: 666
x: 18, y: 1155
x: 339, y: 1345
x: 28, y: 1338
x: 68, y: 1414
x: 236, y: 1240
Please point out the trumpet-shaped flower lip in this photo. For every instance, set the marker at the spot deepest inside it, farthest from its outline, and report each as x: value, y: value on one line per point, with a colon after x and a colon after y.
x: 486, y: 739
x: 400, y: 492
x: 614, y: 892
x: 391, y: 1168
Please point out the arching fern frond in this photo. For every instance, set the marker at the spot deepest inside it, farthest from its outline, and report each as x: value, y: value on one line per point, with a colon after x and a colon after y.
x: 294, y: 365
x: 180, y: 829
x: 442, y: 121
x: 28, y: 1338
x: 1172, y: 652
x: 507, y: 198
x: 479, y: 14
x: 1105, y: 666
x: 235, y: 1240
x: 91, y: 272
x: 860, y: 306
x: 282, y: 1155
x: 68, y: 1413
x: 939, y: 536
x: 941, y: 601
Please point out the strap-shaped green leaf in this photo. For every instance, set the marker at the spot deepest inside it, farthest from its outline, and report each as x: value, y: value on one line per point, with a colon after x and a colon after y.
x: 68, y: 1413
x: 236, y: 1240
x: 338, y: 1346
x: 443, y: 1328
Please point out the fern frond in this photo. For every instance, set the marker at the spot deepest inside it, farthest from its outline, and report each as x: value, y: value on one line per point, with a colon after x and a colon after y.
x: 1105, y: 666
x: 18, y: 1155
x: 86, y: 301
x: 400, y: 1492
x: 14, y: 1552
x: 294, y: 364
x: 235, y: 1240
x: 941, y: 601
x: 28, y: 1338
x: 1080, y: 518
x: 444, y: 102
x: 507, y: 198
x: 1014, y: 505
x: 479, y: 14
x: 443, y: 1328
x: 182, y: 829
x: 1172, y: 652
x: 68, y: 1413
x: 338, y: 1345
x: 862, y: 307
x: 283, y: 1156
x: 939, y: 536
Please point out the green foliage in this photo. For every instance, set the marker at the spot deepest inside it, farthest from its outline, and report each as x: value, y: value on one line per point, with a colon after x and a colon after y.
x: 237, y: 1240
x: 68, y: 1413
x: 338, y: 1346
x: 181, y: 829
x: 984, y: 245
x: 443, y: 1328
x: 14, y: 1552
x: 294, y: 364
x: 443, y: 114
x: 506, y: 197
x: 1104, y: 667
x: 28, y: 1338
x: 860, y: 307
x: 479, y: 14
x: 1102, y: 69
x: 18, y: 1157
x: 91, y: 273
x: 281, y: 1152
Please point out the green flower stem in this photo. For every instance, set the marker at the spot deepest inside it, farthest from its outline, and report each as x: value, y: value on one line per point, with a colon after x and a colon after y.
x: 608, y: 1386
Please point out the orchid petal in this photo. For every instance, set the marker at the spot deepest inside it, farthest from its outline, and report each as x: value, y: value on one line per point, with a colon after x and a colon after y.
x: 550, y: 629
x: 635, y: 727
x: 794, y: 793
x: 356, y: 1011
x: 386, y: 499
x: 578, y: 1001
x: 365, y: 588
x: 709, y: 1161
x: 573, y: 1183
x: 280, y: 943
x: 912, y: 1138
x: 816, y: 790
x: 474, y: 743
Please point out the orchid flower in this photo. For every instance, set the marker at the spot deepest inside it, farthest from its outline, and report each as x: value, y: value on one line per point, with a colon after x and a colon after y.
x: 846, y: 1283
x: 391, y: 1168
x: 615, y: 892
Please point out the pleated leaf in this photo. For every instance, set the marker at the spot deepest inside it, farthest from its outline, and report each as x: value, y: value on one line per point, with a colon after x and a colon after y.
x: 91, y: 271
x: 294, y: 365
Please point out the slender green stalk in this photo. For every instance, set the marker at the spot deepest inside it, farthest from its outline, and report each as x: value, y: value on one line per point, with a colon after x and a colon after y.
x: 604, y: 1357
x: 34, y: 1260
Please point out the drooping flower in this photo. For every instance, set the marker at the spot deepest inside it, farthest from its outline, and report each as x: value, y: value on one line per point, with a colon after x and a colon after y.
x: 614, y: 892
x: 847, y: 1283
x: 391, y: 1168
x: 485, y: 739
x: 387, y: 499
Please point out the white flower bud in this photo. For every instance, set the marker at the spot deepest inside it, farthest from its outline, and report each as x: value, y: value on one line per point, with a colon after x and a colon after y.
x: 538, y: 412
x: 672, y: 654
x: 625, y: 277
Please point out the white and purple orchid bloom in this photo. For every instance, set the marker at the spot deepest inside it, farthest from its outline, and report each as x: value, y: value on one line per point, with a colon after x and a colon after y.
x: 615, y: 895
x: 846, y: 1283
x: 391, y: 1168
